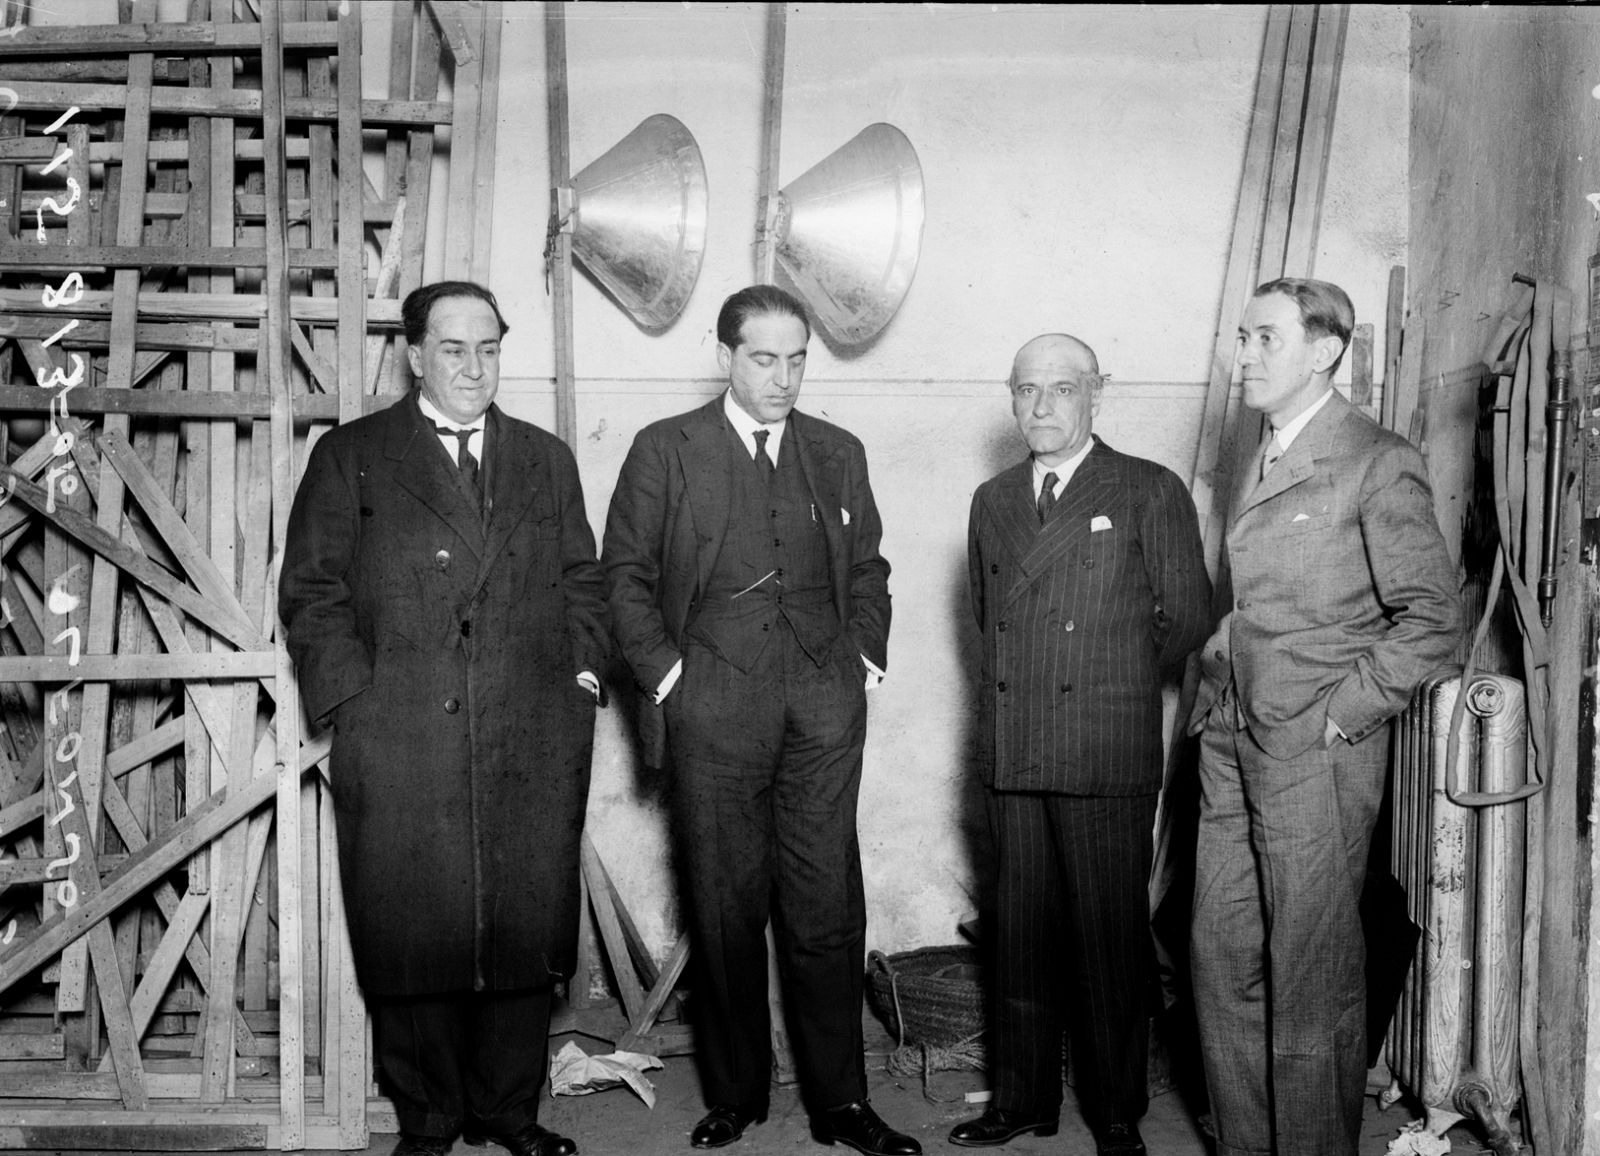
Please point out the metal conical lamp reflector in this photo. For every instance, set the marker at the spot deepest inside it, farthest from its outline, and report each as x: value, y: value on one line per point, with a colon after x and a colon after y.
x: 639, y: 219
x: 850, y: 231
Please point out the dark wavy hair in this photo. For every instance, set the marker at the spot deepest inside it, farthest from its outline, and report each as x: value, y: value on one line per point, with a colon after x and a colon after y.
x: 1325, y: 309
x: 754, y: 301
x: 418, y: 305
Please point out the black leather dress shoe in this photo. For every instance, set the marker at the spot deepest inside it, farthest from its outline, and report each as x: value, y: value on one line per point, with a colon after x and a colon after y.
x: 413, y: 1145
x: 859, y: 1127
x: 997, y: 1125
x: 1118, y: 1140
x: 724, y: 1124
x: 529, y: 1140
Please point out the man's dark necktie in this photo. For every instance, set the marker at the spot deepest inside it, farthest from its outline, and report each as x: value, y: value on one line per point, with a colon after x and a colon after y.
x: 764, y: 465
x: 1047, y: 496
x: 465, y: 462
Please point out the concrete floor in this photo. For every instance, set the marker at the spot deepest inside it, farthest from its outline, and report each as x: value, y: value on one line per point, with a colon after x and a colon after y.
x: 617, y: 1123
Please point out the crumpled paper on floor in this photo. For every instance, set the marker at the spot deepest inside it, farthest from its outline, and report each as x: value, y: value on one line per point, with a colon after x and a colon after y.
x: 575, y: 1073
x: 1416, y: 1140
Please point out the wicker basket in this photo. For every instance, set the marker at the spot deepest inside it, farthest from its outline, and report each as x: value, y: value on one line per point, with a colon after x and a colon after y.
x: 931, y: 998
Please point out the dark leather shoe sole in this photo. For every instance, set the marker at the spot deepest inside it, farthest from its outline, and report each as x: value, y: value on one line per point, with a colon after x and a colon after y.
x: 995, y: 1139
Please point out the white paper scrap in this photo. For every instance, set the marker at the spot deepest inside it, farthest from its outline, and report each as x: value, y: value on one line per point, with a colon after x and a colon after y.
x: 575, y: 1073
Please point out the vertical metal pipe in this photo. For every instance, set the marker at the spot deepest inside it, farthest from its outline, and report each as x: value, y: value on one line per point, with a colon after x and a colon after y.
x: 1558, y: 411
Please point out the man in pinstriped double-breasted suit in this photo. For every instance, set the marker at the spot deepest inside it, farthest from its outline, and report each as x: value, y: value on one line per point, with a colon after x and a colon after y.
x: 1088, y: 581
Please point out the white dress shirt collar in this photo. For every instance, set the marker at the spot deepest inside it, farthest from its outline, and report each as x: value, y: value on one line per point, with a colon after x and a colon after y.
x: 1291, y: 430
x: 1063, y: 472
x: 746, y: 426
x: 448, y: 440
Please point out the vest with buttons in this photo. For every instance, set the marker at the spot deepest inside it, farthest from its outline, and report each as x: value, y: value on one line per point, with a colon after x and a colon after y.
x: 772, y: 574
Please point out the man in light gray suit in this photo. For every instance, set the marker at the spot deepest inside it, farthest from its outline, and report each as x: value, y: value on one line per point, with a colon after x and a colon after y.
x: 1342, y: 600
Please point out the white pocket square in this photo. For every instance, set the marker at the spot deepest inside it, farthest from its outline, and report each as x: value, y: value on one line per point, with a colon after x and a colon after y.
x: 1099, y: 522
x: 1301, y: 517
x: 844, y: 515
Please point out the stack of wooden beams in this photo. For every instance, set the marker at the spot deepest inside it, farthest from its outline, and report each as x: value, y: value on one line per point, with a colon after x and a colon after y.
x: 197, y: 277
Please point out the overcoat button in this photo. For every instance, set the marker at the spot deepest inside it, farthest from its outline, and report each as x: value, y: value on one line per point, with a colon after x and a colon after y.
x: 1000, y: 686
x: 1243, y: 605
x: 452, y: 705
x: 1069, y: 626
x: 442, y: 559
x: 1001, y: 626
x: 1066, y: 688
x: 1088, y: 563
x: 466, y: 628
x: 1219, y: 655
x: 994, y: 567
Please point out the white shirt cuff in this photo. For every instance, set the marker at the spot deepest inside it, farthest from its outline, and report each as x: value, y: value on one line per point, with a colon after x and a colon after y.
x: 669, y: 682
x: 875, y: 674
x: 589, y: 682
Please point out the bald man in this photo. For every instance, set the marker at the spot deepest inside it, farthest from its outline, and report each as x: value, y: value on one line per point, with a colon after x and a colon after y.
x: 1089, y: 584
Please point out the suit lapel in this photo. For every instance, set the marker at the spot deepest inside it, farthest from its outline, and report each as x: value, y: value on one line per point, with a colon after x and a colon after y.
x: 704, y: 459
x: 1015, y: 513
x: 428, y: 474
x: 1068, y: 526
x: 513, y: 469
x: 1299, y: 460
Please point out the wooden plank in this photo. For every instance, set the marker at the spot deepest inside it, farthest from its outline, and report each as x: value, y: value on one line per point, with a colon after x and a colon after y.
x: 1361, y: 365
x: 96, y: 335
x: 1286, y: 145
x: 771, y: 142
x: 168, y: 39
x: 224, y: 622
x: 1393, y: 341
x: 207, y: 406
x: 388, y: 281
x: 458, y: 35
x: 221, y: 665
x: 1208, y: 485
x: 73, y: 815
x: 1316, y: 138
x: 402, y: 23
x: 47, y: 1046
x: 169, y: 524
x: 280, y: 461
x: 223, y: 306
x: 492, y: 25
x: 661, y: 991
x: 560, y: 263
x: 243, y: 104
x: 209, y: 819
x: 352, y: 299
x: 605, y: 914
x: 22, y: 256
x: 460, y: 241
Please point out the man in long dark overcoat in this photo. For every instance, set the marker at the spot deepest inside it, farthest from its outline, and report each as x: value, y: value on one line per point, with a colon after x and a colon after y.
x: 445, y: 611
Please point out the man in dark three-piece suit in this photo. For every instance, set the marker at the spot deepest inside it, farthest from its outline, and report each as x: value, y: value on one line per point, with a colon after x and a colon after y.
x: 1342, y: 599
x: 751, y: 602
x: 1088, y: 582
x: 446, y: 612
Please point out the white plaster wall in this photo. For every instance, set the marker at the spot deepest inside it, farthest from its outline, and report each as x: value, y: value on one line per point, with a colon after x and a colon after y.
x: 1081, y: 165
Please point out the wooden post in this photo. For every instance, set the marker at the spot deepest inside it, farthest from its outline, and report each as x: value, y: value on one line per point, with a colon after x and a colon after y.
x: 771, y: 143
x: 560, y: 244
x: 291, y: 1052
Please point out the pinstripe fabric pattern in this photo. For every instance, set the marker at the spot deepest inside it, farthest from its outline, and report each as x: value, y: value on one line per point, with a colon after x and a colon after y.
x: 1079, y: 621
x: 1079, y: 617
x: 1072, y: 953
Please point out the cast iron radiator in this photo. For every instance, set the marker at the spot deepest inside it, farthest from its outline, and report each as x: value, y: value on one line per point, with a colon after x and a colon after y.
x: 1453, y: 1042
